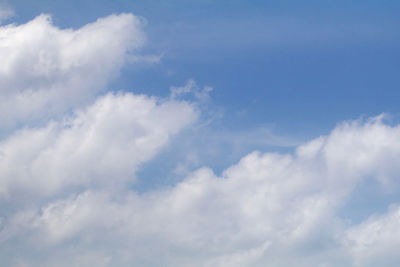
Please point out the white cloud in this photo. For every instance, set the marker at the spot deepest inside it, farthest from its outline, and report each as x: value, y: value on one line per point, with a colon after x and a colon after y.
x: 101, y: 145
x: 46, y: 70
x: 66, y: 185
x: 202, y: 95
x: 269, y: 209
x: 375, y: 242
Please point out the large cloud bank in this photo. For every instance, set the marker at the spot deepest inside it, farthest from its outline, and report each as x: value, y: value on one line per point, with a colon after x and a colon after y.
x: 67, y: 174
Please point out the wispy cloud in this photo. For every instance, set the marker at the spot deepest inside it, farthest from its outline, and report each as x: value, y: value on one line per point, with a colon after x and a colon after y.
x: 6, y: 11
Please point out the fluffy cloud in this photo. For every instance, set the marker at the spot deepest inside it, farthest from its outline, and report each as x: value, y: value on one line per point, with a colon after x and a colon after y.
x: 100, y: 145
x: 46, y: 70
x: 67, y: 194
x: 375, y: 241
x: 269, y: 209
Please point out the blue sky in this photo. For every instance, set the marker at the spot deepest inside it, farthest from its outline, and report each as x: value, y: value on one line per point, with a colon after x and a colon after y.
x: 304, y: 66
x: 199, y: 133
x: 296, y: 68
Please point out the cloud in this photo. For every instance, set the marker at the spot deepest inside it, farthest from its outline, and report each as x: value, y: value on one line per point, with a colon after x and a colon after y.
x: 67, y: 194
x: 374, y: 241
x: 46, y: 71
x: 268, y: 209
x: 201, y: 95
x: 6, y: 12
x: 100, y: 145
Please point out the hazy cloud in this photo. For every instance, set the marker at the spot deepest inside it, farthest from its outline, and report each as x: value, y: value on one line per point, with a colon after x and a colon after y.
x: 6, y: 11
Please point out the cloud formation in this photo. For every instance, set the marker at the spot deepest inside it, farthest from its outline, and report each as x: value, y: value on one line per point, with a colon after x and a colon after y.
x: 374, y: 241
x: 46, y: 71
x: 101, y: 145
x: 67, y: 185
x: 260, y: 210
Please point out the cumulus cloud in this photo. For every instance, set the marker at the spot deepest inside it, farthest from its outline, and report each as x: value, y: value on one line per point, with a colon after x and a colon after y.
x: 100, y: 145
x: 67, y: 194
x: 46, y: 70
x: 268, y: 209
x: 375, y: 241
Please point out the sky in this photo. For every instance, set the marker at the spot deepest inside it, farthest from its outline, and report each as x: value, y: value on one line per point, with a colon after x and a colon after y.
x: 199, y: 133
